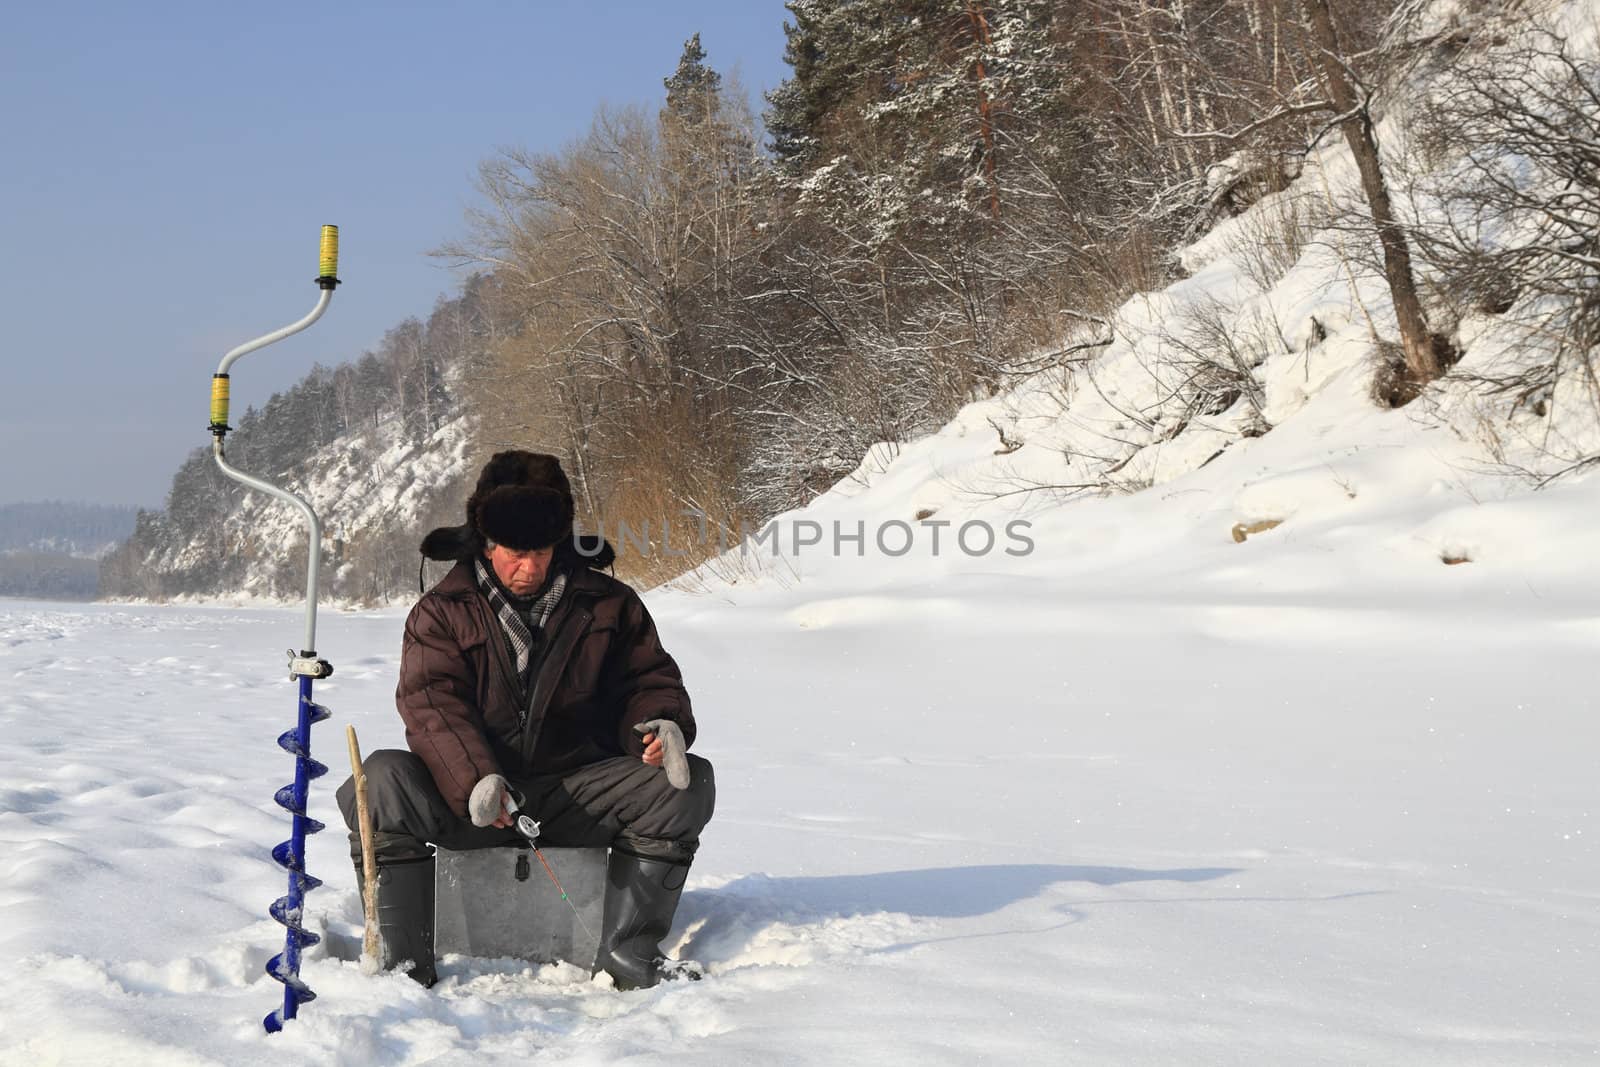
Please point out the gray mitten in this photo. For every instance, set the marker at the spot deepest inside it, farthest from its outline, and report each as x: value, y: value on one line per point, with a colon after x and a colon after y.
x: 673, y: 750
x: 485, y: 805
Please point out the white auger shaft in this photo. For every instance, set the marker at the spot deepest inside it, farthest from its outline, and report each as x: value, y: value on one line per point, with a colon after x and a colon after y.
x: 219, y: 428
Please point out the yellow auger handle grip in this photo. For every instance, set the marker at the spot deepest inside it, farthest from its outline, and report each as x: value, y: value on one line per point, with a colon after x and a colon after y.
x: 329, y: 254
x: 219, y: 402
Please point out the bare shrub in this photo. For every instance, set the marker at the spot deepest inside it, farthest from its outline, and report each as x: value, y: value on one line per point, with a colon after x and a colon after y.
x: 1521, y: 211
x: 1209, y: 362
x: 1268, y: 241
x: 1392, y: 386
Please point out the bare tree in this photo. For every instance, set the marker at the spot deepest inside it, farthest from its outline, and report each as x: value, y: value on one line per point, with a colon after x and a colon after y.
x: 624, y: 260
x: 1356, y: 122
x: 1511, y: 130
x: 1339, y: 93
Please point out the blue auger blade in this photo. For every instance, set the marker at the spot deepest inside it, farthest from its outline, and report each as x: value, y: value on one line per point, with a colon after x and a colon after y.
x: 302, y: 992
x: 303, y: 883
x: 286, y: 856
x: 290, y: 915
x: 291, y: 855
x: 289, y: 741
x: 286, y: 800
x: 284, y: 911
x: 295, y: 992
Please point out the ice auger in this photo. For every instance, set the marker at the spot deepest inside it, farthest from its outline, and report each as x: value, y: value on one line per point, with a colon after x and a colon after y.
x: 304, y: 667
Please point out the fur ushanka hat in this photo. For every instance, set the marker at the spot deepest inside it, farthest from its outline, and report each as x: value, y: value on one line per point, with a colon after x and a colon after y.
x: 522, y: 501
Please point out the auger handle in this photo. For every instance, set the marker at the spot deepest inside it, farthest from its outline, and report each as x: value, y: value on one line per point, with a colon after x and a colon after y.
x: 327, y: 281
x: 328, y: 256
x: 328, y: 263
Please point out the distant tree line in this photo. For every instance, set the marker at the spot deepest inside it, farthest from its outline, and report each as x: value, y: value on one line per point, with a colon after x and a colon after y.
x: 66, y: 527
x: 48, y: 548
x: 48, y: 576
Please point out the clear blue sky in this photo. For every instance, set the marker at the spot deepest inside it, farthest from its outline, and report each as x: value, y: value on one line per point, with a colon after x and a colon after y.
x: 165, y: 168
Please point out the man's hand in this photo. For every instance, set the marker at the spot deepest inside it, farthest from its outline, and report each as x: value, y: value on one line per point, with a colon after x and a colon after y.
x: 663, y: 746
x: 503, y: 821
x: 489, y: 800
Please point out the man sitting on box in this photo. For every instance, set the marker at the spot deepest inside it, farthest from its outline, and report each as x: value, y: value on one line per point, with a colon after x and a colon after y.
x: 530, y: 680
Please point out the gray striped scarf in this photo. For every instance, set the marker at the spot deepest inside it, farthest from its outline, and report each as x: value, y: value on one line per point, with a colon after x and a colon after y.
x: 519, y: 626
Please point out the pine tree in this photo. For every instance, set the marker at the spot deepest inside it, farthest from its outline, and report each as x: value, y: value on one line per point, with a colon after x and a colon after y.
x: 796, y: 108
x: 694, y: 89
x: 900, y: 114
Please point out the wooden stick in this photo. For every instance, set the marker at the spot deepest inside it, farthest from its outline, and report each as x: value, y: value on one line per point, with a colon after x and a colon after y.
x: 369, y: 862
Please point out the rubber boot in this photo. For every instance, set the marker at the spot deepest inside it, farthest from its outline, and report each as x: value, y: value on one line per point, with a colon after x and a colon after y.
x: 641, y: 899
x: 405, y: 917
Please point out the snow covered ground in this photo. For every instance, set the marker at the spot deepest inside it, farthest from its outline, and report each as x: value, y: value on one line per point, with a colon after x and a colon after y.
x: 1143, y: 796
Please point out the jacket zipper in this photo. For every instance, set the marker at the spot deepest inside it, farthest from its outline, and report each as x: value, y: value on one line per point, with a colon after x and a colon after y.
x: 544, y: 682
x: 497, y: 640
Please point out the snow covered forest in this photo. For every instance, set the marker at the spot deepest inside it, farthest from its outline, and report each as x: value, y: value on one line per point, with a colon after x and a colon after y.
x: 701, y: 310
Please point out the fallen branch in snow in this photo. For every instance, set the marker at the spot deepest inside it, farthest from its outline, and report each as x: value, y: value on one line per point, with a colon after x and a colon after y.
x: 1582, y: 464
x: 1008, y: 444
x: 1062, y: 356
x: 1243, y: 530
x: 1035, y: 488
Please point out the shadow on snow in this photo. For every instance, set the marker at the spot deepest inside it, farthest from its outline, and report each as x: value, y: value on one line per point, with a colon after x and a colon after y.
x: 935, y: 893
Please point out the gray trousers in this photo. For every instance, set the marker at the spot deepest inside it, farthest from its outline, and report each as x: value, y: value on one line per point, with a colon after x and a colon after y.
x: 622, y: 802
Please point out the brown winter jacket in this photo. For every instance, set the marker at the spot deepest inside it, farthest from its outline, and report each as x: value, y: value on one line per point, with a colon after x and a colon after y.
x: 466, y: 713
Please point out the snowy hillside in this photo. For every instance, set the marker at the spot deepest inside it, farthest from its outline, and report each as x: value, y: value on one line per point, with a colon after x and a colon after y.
x: 1241, y: 397
x: 376, y: 491
x: 378, y: 445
